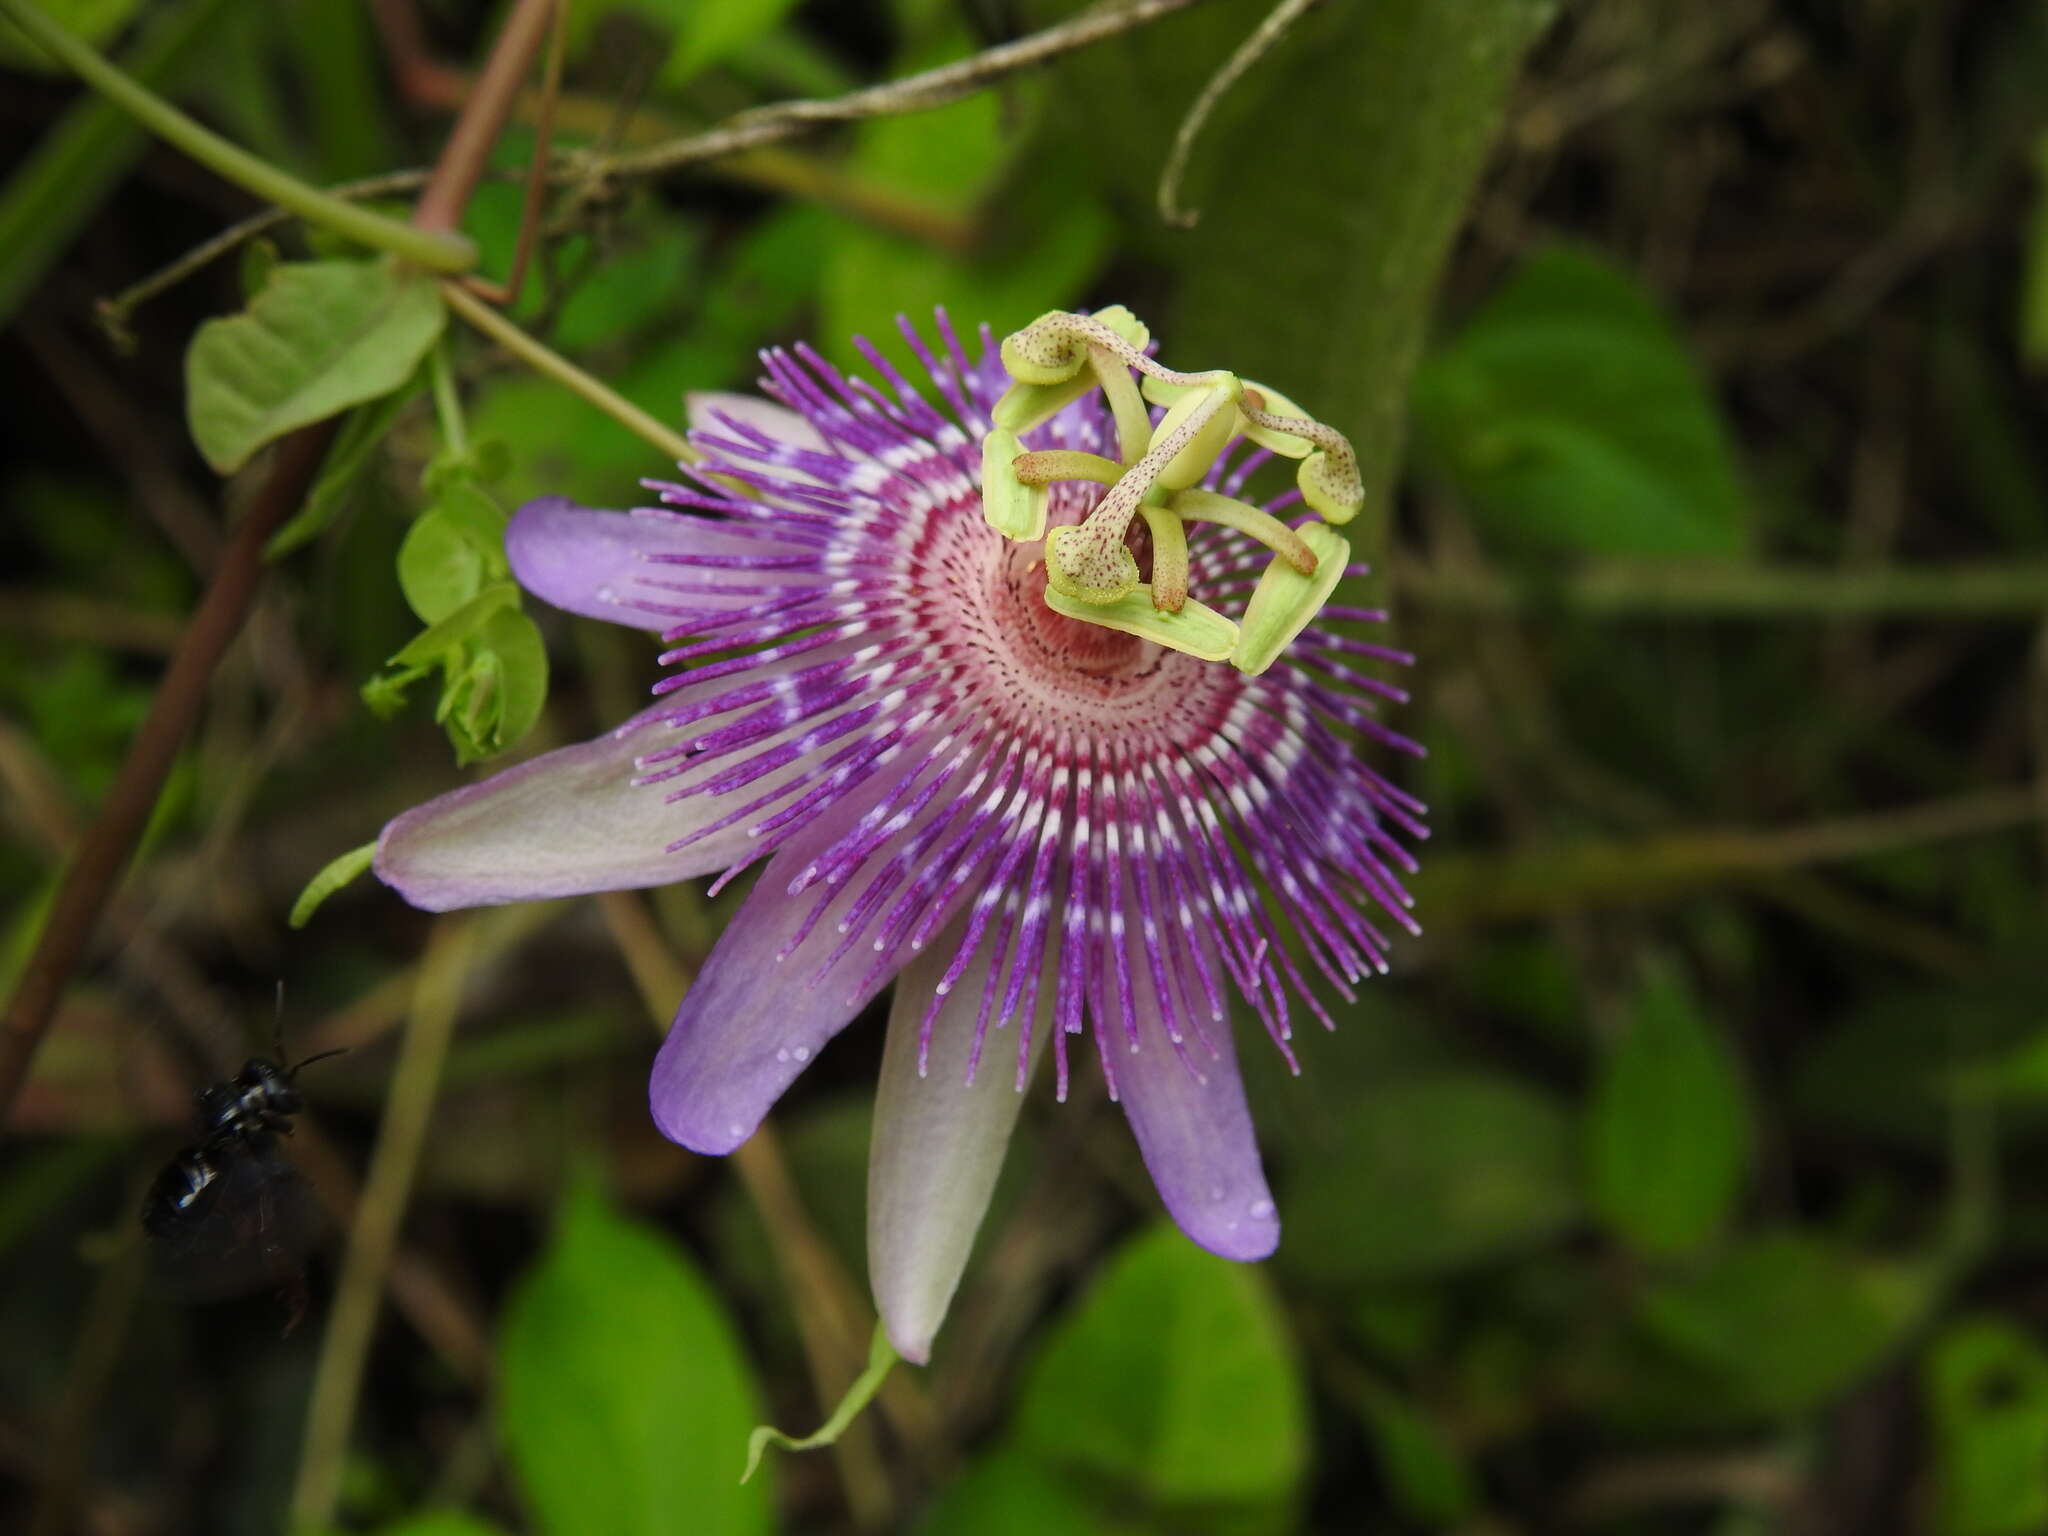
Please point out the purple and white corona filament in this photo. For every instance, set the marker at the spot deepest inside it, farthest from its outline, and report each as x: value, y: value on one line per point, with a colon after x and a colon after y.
x: 918, y: 682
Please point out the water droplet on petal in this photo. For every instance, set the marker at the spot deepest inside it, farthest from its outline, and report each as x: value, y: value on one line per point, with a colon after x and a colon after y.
x: 607, y: 595
x: 781, y: 1055
x: 1262, y: 1210
x: 801, y: 1053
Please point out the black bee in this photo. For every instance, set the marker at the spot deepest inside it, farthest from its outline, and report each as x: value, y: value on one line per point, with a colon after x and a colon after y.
x: 229, y: 1214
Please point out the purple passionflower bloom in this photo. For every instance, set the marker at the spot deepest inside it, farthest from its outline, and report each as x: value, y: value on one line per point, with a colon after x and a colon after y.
x: 1038, y: 824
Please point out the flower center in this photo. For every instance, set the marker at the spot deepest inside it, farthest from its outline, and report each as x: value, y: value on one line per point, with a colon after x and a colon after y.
x: 1092, y: 573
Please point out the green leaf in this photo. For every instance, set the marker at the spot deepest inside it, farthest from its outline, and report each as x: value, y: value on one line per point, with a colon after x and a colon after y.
x: 1668, y: 1127
x: 94, y: 21
x: 1782, y: 1323
x: 624, y: 1400
x: 1568, y: 413
x: 702, y: 32
x: 336, y: 874
x: 493, y: 662
x: 322, y: 336
x: 522, y: 683
x: 1987, y: 1394
x: 1175, y: 1378
x: 440, y: 567
x: 1432, y: 1174
x: 1423, y: 1471
x: 711, y: 31
x: 434, y: 644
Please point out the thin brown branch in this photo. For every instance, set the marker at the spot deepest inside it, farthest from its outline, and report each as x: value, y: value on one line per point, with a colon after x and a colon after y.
x: 913, y: 93
x: 104, y: 851
x: 484, y: 114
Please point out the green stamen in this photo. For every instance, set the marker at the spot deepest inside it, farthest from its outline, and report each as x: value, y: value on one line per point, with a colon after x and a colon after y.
x: 1196, y: 629
x: 1285, y: 600
x: 1013, y: 506
x: 1329, y: 478
x: 1046, y: 465
x: 1126, y: 405
x: 1212, y: 507
x: 1091, y: 573
x: 1169, y: 559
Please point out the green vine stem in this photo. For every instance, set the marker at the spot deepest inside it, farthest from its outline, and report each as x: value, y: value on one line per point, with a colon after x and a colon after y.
x: 544, y: 360
x: 436, y: 251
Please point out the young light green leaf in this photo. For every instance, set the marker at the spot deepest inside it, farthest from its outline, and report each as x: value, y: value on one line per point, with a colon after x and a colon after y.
x: 321, y: 336
x: 1569, y: 415
x: 623, y: 1396
x: 1987, y: 1395
x: 522, y: 682
x: 333, y: 877
x: 1668, y: 1126
x: 439, y: 566
x: 433, y: 644
x: 1176, y: 1379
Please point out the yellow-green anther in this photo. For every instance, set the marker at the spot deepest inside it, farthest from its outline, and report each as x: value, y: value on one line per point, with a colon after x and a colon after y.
x: 1274, y: 404
x: 1212, y: 417
x: 1329, y: 477
x: 1049, y: 349
x: 1081, y: 566
x: 1026, y: 405
x: 1042, y: 466
x: 1013, y: 507
x: 1214, y: 507
x: 1331, y: 486
x: 1196, y: 628
x: 1126, y: 405
x: 1169, y: 558
x: 1052, y: 348
x: 1285, y: 600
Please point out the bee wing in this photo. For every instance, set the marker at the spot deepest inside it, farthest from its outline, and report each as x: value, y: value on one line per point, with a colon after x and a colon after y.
x: 248, y: 1230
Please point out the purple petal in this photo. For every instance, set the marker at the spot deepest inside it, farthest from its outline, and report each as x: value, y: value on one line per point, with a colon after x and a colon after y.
x: 771, y: 995
x: 1196, y: 1134
x: 630, y: 567
x: 938, y: 1142
x: 561, y: 824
